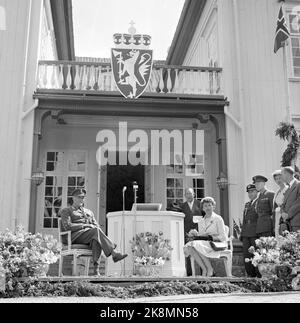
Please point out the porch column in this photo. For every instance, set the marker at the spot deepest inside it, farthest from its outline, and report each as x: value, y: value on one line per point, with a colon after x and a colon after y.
x: 218, y: 120
x: 37, y: 135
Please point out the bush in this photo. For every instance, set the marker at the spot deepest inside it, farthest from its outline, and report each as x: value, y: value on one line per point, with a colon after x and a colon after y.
x: 34, y: 288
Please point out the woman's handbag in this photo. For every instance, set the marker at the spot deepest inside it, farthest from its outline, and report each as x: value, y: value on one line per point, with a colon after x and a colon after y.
x: 218, y: 246
x: 284, y: 226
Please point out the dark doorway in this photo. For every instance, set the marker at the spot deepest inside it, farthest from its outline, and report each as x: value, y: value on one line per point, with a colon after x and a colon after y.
x: 119, y: 176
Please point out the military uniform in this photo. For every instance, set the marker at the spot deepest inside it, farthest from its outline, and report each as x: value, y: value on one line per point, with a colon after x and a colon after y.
x: 74, y: 220
x: 264, y: 209
x: 85, y: 230
x: 248, y: 234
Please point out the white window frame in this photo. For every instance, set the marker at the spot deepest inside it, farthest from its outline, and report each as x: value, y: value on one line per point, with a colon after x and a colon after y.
x: 288, y: 11
x: 65, y: 173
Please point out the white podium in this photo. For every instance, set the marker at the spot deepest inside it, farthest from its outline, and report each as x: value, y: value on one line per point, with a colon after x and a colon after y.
x: 170, y: 223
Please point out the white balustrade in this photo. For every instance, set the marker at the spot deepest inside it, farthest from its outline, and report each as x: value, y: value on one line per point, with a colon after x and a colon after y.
x: 97, y: 77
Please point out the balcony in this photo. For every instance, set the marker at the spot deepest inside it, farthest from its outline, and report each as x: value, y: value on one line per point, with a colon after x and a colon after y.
x: 97, y: 78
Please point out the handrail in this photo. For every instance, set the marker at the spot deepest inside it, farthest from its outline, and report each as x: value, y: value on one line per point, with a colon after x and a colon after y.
x: 156, y: 66
x: 98, y: 76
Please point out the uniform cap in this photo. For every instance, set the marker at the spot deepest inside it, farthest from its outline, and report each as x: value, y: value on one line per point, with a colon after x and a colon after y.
x: 259, y: 178
x: 250, y: 187
x: 79, y: 192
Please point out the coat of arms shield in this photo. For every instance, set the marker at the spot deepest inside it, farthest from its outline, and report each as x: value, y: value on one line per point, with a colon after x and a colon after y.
x: 131, y: 64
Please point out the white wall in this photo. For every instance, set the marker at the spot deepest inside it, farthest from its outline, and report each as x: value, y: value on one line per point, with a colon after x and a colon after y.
x: 19, y: 53
x: 253, y: 82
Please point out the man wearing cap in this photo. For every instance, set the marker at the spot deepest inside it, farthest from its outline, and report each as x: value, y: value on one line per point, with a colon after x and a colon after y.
x: 290, y: 208
x: 264, y: 207
x: 248, y: 234
x: 85, y: 230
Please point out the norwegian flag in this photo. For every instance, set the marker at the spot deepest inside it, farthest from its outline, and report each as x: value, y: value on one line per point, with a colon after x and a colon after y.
x: 282, y: 31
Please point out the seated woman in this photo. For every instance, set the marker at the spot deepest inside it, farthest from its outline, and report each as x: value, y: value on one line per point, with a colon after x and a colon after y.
x: 211, y: 228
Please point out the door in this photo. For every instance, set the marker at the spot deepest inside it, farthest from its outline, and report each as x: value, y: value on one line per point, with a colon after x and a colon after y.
x: 119, y: 176
x: 65, y: 170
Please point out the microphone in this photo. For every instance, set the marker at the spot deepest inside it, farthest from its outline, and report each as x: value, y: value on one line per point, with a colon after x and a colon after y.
x: 135, y: 185
x: 124, y: 189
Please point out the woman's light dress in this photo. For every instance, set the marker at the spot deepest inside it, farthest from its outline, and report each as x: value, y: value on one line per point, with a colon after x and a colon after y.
x: 278, y: 199
x: 213, y: 226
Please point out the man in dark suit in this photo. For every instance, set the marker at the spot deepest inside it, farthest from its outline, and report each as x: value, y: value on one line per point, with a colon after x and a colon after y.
x: 190, y: 208
x: 85, y: 230
x: 264, y: 208
x: 248, y: 234
x: 291, y: 204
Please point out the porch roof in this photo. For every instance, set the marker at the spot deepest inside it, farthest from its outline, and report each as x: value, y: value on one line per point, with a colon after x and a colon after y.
x: 112, y: 103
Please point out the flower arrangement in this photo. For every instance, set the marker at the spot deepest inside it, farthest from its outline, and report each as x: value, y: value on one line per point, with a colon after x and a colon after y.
x: 289, y: 245
x: 22, y: 254
x: 150, y: 249
x: 267, y: 252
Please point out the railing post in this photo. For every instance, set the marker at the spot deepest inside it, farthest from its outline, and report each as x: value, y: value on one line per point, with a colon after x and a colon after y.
x: 164, y: 79
x: 161, y: 84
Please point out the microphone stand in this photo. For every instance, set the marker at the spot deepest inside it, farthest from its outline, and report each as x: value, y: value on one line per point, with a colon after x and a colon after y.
x: 135, y: 189
x: 123, y: 229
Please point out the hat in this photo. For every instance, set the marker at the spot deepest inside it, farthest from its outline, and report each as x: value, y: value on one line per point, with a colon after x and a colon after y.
x: 276, y: 173
x: 250, y: 187
x: 259, y: 178
x: 79, y: 192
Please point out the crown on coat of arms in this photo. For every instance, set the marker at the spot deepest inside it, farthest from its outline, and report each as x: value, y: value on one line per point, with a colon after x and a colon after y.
x: 132, y: 39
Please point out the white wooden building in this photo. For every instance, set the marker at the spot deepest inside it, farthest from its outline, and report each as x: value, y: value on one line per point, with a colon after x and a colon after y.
x: 231, y: 86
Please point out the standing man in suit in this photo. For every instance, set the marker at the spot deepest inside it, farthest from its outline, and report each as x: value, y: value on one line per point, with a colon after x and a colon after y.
x: 190, y: 208
x: 290, y: 207
x: 264, y: 207
x: 248, y: 234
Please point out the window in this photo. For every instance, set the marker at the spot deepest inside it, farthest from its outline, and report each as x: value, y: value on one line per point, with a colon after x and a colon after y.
x: 53, y: 200
x: 180, y: 177
x: 175, y: 184
x: 65, y: 171
x: 294, y: 25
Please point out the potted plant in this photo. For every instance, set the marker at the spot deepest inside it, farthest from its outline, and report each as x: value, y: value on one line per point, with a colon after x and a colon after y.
x: 27, y: 255
x: 266, y: 256
x: 150, y: 251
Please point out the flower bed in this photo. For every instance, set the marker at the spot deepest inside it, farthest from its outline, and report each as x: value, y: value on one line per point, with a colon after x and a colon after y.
x: 33, y: 288
x: 23, y: 254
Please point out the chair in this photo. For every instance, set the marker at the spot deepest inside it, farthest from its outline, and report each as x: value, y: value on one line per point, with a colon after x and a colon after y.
x: 75, y: 250
x: 227, y: 254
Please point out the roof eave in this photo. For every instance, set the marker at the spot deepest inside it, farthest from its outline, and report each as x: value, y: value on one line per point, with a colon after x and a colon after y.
x: 188, y: 21
x: 63, y: 28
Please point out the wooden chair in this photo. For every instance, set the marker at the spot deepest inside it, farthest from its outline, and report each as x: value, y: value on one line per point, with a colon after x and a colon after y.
x: 227, y: 254
x: 75, y: 250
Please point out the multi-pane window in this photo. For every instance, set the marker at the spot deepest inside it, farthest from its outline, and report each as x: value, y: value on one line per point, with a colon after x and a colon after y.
x: 53, y: 200
x: 175, y: 184
x: 73, y: 183
x: 180, y: 177
x: 198, y: 185
x: 294, y: 25
x: 65, y: 171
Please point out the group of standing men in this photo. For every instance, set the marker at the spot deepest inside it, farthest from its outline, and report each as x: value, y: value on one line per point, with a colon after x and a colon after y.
x: 268, y: 213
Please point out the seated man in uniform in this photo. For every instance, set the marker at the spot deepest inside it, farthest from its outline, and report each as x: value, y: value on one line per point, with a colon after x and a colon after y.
x: 85, y: 230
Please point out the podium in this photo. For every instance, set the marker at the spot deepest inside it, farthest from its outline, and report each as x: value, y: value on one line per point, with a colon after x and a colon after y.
x: 135, y: 222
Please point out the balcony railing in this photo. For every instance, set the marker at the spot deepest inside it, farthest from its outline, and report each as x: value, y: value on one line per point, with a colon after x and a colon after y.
x: 98, y: 77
